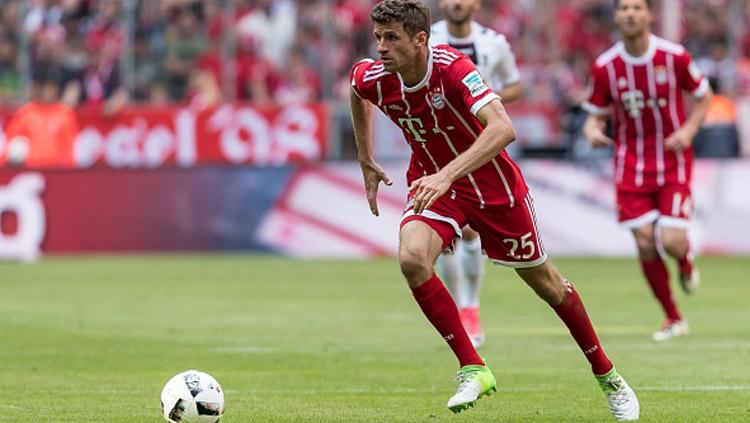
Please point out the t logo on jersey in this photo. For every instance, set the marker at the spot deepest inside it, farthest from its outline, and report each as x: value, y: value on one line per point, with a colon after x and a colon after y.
x: 415, y: 126
x: 475, y: 83
x: 633, y: 102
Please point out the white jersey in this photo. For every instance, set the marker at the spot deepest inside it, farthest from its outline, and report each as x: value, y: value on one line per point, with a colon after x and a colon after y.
x: 489, y: 51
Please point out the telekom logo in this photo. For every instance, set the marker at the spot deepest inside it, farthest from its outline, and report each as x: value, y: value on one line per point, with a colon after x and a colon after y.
x: 21, y: 196
x: 633, y: 102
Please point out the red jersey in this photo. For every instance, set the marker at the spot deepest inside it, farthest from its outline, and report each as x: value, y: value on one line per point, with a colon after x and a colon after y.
x: 438, y: 119
x: 646, y: 93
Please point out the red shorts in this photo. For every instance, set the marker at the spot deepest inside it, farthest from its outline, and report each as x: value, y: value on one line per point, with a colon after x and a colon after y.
x: 509, y: 234
x: 671, y: 205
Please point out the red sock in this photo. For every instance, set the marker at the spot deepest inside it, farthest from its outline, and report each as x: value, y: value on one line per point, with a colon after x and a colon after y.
x: 572, y: 312
x: 657, y: 276
x: 440, y: 309
x: 686, y: 263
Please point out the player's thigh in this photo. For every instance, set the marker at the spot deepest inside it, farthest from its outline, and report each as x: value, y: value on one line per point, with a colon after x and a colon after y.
x: 545, y: 280
x: 421, y: 241
x: 425, y: 235
x: 468, y: 234
x: 509, y: 234
x: 636, y: 209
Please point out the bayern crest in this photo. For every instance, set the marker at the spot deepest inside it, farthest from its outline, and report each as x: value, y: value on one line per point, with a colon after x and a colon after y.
x: 437, y: 100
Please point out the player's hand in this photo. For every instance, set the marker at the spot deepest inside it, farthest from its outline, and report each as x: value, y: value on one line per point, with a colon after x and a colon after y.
x: 597, y: 139
x: 679, y: 140
x: 373, y: 175
x: 427, y: 189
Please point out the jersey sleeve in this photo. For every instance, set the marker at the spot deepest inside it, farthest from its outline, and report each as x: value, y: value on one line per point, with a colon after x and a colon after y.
x: 507, y: 70
x: 357, y: 78
x: 466, y: 84
x: 689, y: 76
x: 600, y: 96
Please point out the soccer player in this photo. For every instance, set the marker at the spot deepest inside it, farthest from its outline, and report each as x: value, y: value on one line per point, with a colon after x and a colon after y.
x: 457, y: 129
x: 463, y: 271
x: 643, y: 78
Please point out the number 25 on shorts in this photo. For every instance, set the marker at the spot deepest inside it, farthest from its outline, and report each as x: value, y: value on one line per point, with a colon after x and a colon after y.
x: 525, y: 245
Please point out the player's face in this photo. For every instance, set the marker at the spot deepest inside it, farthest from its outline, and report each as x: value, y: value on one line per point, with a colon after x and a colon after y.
x: 396, y: 48
x: 633, y: 17
x: 459, y: 11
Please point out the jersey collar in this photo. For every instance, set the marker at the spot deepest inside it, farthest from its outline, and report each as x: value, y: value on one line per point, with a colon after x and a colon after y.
x: 640, y: 60
x: 424, y: 80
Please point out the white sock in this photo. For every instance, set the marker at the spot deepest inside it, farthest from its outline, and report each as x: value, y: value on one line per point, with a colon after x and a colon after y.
x: 452, y: 274
x: 473, y: 269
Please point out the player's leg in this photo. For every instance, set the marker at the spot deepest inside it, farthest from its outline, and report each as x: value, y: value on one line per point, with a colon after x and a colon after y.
x: 451, y: 272
x: 639, y: 213
x: 420, y: 241
x: 675, y: 206
x: 511, y: 238
x: 657, y: 276
x: 677, y: 245
x: 473, y: 272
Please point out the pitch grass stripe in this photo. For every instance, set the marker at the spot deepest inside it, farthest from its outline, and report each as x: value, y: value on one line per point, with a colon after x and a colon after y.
x: 696, y: 388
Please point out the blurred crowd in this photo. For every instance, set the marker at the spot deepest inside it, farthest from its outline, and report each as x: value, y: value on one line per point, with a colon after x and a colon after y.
x: 107, y: 53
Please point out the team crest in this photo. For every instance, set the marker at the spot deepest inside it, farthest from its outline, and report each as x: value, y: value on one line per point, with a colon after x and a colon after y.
x: 660, y: 74
x: 622, y: 83
x: 437, y: 100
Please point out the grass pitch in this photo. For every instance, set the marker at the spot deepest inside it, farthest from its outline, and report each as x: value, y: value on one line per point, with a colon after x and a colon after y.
x: 93, y: 339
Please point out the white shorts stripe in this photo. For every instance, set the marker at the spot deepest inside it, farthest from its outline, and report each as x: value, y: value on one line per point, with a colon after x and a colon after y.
x: 429, y: 214
x: 650, y: 216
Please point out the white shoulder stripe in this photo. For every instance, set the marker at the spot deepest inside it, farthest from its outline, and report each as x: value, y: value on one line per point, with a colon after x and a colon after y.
x: 669, y: 46
x: 375, y: 76
x: 444, y: 52
x: 444, y: 59
x: 608, y: 55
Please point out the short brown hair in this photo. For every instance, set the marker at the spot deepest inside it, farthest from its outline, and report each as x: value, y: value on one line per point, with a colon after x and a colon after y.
x: 648, y: 4
x: 414, y: 14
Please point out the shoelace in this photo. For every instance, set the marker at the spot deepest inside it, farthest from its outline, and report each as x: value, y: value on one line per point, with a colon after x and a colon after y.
x: 620, y: 396
x: 463, y: 378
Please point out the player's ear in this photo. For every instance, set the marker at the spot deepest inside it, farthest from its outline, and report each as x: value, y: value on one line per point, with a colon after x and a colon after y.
x: 421, y: 38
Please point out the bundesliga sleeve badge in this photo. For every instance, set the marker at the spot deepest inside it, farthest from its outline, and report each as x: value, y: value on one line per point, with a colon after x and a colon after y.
x: 475, y: 83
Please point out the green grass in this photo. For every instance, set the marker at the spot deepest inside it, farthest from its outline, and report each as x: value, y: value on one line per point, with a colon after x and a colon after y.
x: 93, y: 339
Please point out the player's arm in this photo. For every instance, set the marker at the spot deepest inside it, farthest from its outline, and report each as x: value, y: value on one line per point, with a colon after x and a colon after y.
x: 682, y: 138
x: 507, y: 71
x: 497, y: 134
x: 690, y: 79
x: 593, y: 130
x: 511, y: 92
x: 598, y: 108
x: 373, y: 174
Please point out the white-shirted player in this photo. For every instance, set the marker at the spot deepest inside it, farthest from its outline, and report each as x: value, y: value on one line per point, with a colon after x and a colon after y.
x: 463, y: 271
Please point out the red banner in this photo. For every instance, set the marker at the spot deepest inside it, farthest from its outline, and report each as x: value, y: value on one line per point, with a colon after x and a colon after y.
x: 149, y: 137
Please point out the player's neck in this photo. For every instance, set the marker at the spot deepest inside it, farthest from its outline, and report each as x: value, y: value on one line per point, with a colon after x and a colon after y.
x: 416, y: 73
x: 637, y: 46
x: 459, y: 30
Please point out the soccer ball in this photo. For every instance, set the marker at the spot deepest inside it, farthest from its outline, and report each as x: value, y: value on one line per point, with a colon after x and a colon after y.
x: 192, y: 397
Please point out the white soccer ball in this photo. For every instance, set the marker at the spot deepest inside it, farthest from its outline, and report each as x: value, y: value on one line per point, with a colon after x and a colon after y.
x: 17, y: 150
x: 192, y: 397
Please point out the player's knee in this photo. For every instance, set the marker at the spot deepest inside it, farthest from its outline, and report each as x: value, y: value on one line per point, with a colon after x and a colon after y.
x: 675, y: 245
x: 646, y: 243
x: 546, y: 281
x: 415, y: 268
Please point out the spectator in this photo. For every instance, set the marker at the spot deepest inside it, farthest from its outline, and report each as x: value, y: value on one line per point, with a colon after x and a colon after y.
x: 42, y: 133
x: 10, y: 78
x: 185, y: 42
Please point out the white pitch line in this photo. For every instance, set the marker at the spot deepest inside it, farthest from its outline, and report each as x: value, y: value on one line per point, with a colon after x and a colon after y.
x: 698, y: 388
